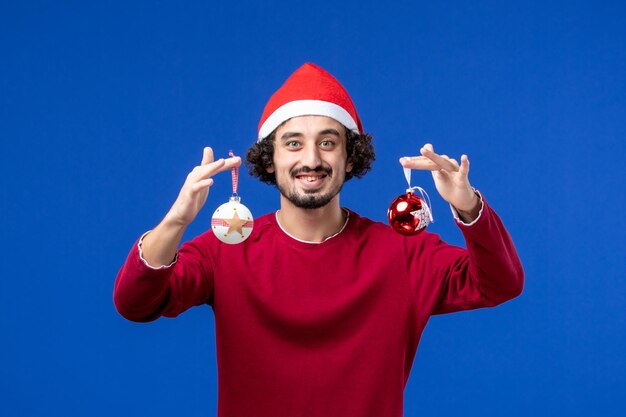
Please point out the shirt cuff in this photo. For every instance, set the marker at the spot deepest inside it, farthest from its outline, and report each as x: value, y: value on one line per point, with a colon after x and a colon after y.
x: 455, y: 213
x: 156, y: 268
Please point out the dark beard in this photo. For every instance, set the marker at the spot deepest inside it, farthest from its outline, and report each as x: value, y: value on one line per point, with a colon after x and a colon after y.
x: 310, y: 201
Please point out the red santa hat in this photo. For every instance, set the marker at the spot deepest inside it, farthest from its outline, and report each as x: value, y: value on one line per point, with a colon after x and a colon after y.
x: 309, y: 91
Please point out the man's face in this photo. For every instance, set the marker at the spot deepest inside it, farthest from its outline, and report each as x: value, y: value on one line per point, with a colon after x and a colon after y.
x: 310, y: 160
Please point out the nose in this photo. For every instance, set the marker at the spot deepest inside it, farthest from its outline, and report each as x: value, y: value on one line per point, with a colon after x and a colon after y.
x: 311, y: 157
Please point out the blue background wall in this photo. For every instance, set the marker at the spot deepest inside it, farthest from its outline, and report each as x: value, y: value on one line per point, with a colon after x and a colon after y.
x: 105, y: 107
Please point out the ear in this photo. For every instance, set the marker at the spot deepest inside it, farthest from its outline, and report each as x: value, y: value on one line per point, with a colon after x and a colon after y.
x: 270, y: 169
x: 349, y: 166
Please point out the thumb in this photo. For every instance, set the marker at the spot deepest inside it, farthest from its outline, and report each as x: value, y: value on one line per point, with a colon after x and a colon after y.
x: 464, y: 168
x: 207, y: 156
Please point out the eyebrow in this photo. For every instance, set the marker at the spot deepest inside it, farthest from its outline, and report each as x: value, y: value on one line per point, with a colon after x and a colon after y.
x: 288, y: 135
x: 329, y: 132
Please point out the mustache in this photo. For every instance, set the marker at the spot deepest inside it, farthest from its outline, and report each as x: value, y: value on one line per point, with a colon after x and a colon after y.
x: 306, y: 170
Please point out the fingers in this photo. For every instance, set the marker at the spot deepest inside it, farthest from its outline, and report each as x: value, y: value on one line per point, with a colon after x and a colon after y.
x: 211, y: 168
x: 430, y: 161
x: 227, y: 164
x: 441, y: 160
x: 426, y: 164
x: 207, y: 156
x: 419, y: 162
x: 201, y: 185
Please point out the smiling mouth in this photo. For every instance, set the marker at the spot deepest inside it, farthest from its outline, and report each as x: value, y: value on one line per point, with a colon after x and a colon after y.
x: 310, y: 178
x: 311, y: 182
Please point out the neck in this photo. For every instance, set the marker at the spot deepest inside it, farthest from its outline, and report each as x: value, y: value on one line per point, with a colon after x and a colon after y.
x: 311, y: 225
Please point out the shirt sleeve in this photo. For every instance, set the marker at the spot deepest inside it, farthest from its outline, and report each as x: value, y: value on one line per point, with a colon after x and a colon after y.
x: 487, y: 273
x: 143, y: 292
x: 457, y: 217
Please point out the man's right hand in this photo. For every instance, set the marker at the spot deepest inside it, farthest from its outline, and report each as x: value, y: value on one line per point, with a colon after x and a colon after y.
x: 160, y: 245
x: 194, y: 192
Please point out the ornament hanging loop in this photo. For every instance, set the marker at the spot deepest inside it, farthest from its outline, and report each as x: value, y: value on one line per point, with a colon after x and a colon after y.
x: 235, y: 177
x: 426, y: 199
x: 423, y: 193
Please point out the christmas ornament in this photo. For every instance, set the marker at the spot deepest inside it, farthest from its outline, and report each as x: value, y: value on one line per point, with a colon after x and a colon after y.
x: 410, y: 214
x: 232, y: 222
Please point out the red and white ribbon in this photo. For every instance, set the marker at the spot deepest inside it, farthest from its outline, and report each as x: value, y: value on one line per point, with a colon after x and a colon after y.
x: 235, y: 174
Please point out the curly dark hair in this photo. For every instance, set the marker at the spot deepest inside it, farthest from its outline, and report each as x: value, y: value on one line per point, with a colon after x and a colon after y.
x: 359, y: 148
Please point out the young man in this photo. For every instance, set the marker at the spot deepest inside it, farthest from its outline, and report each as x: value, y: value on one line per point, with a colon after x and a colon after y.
x: 320, y: 311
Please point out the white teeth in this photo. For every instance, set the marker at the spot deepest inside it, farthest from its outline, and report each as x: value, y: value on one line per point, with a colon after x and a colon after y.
x: 310, y: 178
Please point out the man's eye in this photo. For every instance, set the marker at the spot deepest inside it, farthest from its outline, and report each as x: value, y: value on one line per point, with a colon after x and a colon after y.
x: 327, y: 143
x: 292, y: 144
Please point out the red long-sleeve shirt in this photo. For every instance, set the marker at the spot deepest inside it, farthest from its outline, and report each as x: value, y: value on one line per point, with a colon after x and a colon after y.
x: 328, y: 329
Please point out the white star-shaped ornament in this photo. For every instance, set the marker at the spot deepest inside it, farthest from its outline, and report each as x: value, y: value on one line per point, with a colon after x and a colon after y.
x: 423, y: 215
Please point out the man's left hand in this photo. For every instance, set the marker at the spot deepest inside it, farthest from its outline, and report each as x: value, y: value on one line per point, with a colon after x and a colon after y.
x: 451, y: 179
